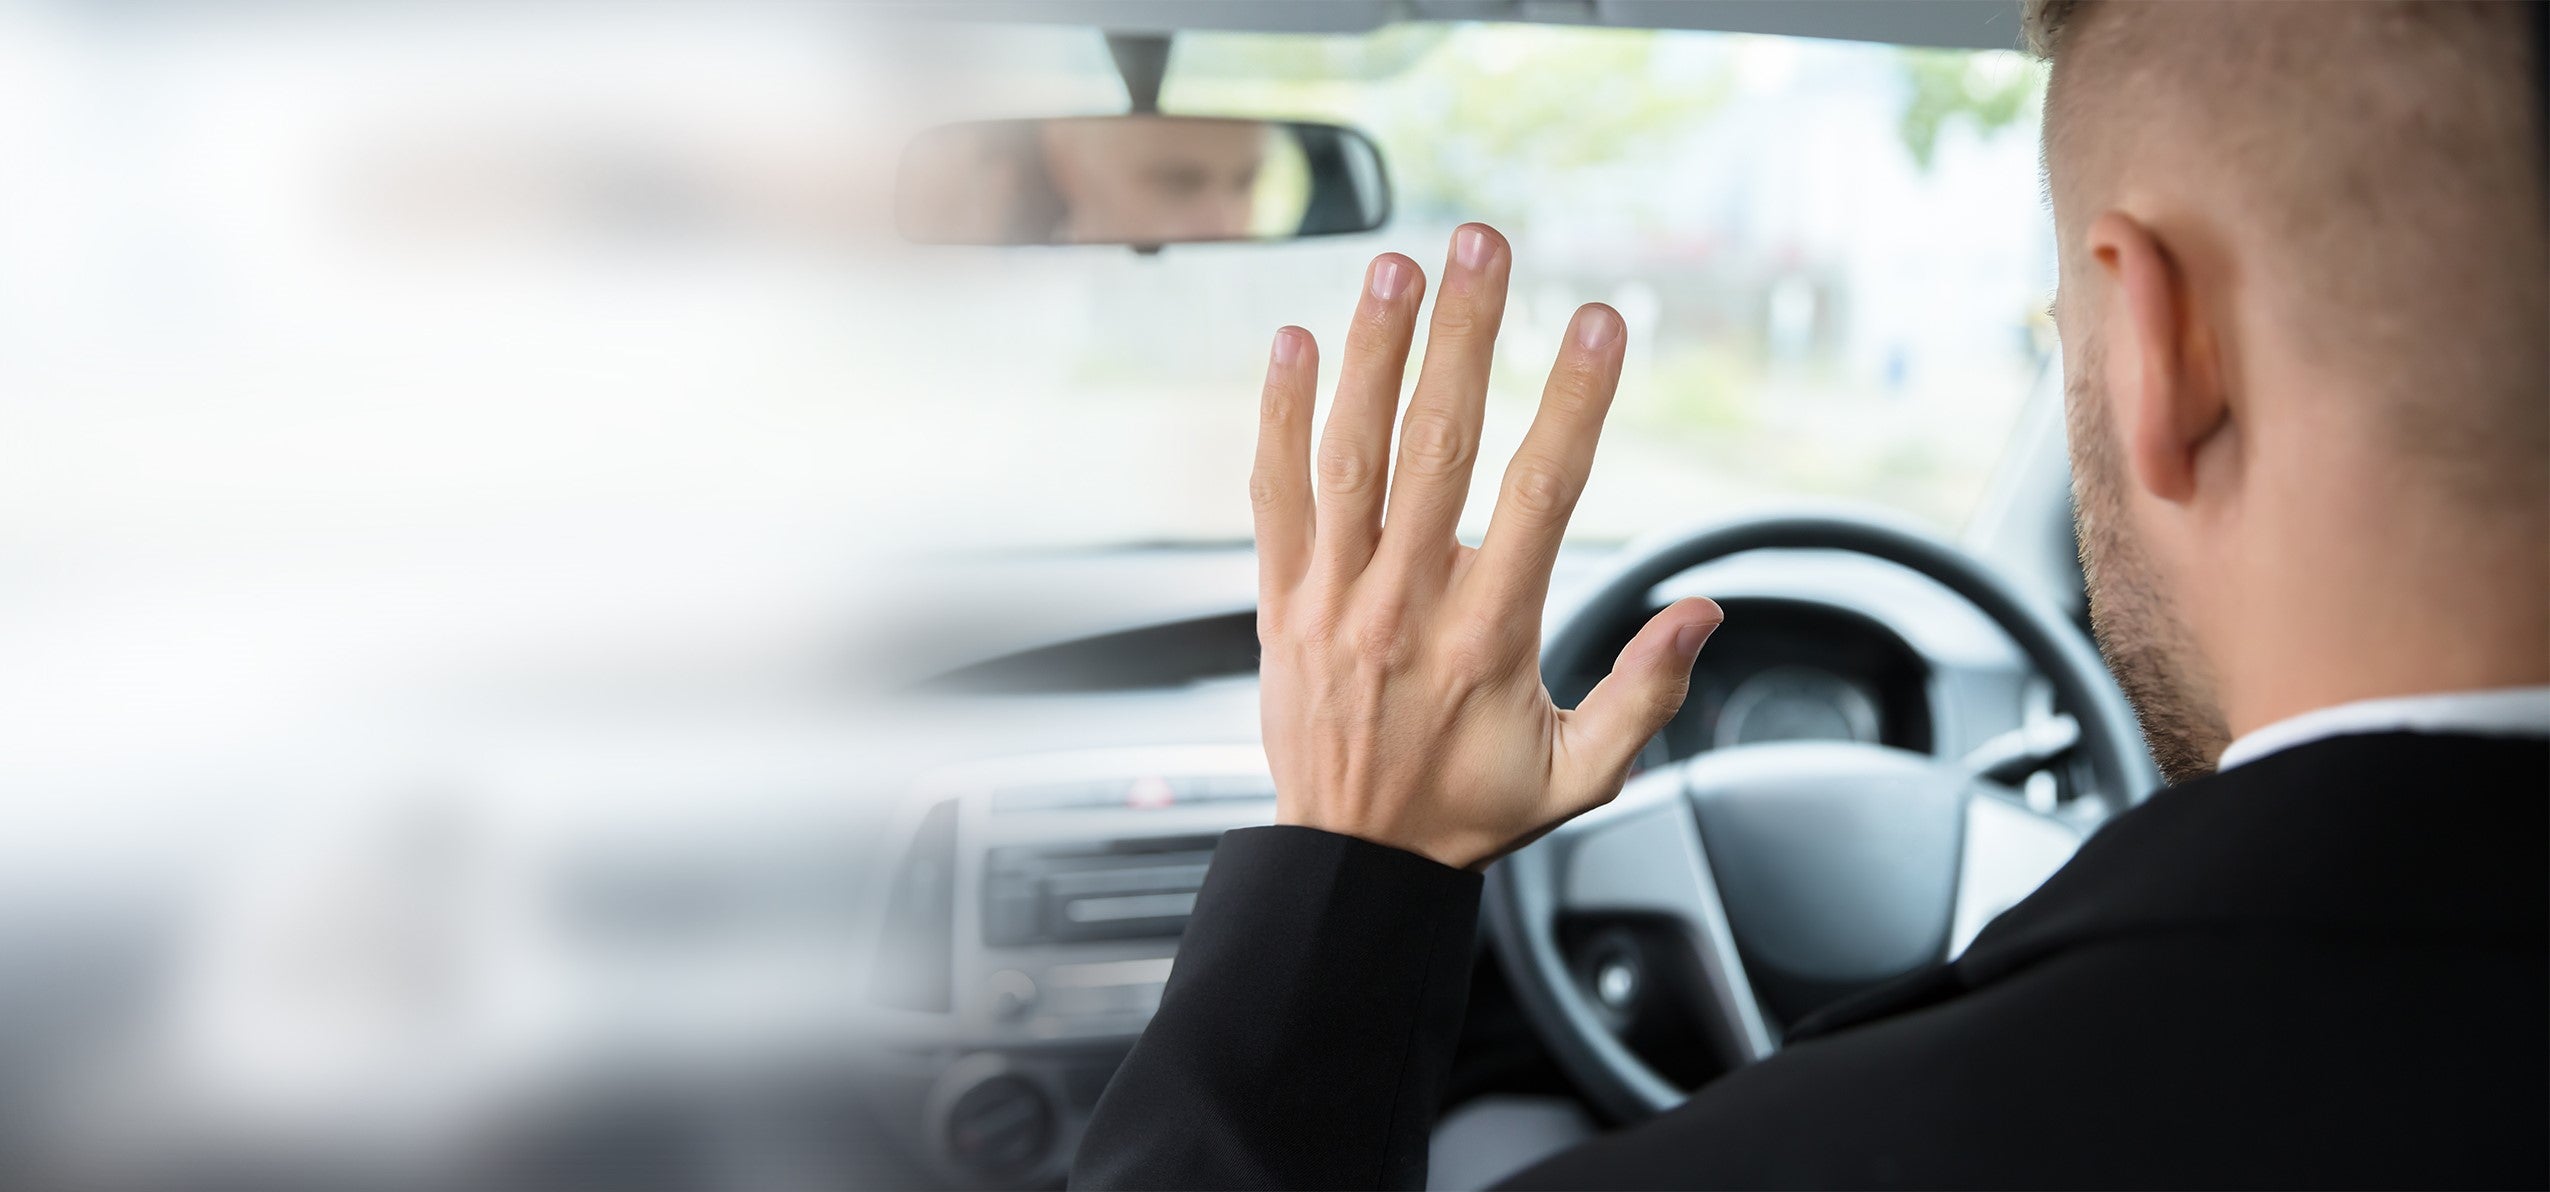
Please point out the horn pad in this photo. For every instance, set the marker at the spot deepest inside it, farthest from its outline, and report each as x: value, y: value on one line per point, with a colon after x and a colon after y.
x: 1837, y: 863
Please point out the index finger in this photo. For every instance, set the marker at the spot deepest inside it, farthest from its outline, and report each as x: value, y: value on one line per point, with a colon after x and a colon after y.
x: 1548, y: 471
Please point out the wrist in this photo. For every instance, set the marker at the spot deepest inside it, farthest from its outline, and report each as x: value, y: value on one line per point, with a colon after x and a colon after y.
x: 1452, y: 850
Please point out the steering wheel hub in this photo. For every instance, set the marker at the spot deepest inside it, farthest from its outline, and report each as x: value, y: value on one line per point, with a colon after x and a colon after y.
x: 1837, y: 863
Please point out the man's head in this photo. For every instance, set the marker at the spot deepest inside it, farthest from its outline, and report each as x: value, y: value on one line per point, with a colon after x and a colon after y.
x: 2306, y: 322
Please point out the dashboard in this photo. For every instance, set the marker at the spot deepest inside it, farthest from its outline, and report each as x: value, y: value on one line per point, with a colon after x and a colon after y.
x: 865, y: 925
x: 1040, y: 892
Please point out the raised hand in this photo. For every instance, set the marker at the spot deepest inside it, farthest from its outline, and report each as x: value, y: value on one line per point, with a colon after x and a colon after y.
x: 1402, y: 698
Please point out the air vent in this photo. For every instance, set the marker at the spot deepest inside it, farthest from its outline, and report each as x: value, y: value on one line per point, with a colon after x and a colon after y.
x: 1001, y: 1128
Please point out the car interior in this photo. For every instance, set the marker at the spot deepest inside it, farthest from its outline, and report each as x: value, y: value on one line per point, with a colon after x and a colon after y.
x: 868, y: 871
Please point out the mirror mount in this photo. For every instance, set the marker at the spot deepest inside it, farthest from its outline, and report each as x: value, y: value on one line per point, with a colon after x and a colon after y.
x: 1143, y: 60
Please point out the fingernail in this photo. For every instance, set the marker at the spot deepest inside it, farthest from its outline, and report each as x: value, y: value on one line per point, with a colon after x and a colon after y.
x: 1688, y: 639
x: 1471, y: 246
x: 1596, y: 327
x: 1288, y: 346
x: 1389, y: 278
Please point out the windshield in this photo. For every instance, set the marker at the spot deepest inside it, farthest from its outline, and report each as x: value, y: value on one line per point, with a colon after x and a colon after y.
x: 1833, y: 258
x: 450, y: 275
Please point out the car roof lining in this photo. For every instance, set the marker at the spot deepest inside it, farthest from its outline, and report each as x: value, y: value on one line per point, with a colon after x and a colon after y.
x: 1952, y: 24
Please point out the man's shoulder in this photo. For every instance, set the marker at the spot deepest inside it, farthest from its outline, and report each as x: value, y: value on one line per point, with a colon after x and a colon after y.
x: 2401, y: 836
x: 2326, y: 963
x: 2174, y: 1059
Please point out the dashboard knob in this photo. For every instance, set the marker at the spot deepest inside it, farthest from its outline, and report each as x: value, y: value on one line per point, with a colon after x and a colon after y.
x: 1013, y: 994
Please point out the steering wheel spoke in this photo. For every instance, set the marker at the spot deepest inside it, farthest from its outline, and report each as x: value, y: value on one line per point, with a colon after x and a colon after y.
x: 1641, y: 855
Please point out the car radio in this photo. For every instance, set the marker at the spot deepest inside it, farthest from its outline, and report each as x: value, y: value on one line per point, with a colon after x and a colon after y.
x: 1114, y: 890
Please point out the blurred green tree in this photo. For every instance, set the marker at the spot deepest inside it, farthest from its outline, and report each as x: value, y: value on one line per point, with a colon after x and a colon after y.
x: 1506, y: 112
x: 1994, y: 90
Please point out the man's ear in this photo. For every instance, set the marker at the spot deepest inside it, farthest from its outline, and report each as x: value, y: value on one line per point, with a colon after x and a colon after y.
x: 2164, y: 380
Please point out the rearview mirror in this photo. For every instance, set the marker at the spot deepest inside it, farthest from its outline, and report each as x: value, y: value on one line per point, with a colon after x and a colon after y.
x: 1138, y: 180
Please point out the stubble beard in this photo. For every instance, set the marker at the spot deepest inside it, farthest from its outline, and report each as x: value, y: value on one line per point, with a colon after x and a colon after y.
x: 2146, y: 644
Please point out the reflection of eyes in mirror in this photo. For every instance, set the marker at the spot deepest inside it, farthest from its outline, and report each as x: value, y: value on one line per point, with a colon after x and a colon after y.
x: 1158, y: 181
x: 1141, y: 180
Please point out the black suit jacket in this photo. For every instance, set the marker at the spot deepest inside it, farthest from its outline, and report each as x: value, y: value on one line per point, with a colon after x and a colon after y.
x: 2325, y: 968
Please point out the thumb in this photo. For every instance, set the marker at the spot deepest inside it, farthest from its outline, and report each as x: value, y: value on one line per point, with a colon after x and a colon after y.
x: 1645, y: 688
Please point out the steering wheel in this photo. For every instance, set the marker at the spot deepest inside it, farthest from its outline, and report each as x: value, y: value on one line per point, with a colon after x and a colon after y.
x: 1794, y: 870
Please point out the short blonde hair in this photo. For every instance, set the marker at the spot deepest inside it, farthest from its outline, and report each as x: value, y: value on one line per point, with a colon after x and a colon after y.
x: 2379, y: 161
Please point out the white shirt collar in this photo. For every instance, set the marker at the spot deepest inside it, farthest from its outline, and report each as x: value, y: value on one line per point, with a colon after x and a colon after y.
x: 2501, y: 712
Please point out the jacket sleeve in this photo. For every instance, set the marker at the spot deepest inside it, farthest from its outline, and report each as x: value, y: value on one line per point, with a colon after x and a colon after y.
x: 1305, y: 1033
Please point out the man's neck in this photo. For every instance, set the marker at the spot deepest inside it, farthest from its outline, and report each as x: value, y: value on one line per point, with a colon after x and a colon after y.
x: 2375, y: 602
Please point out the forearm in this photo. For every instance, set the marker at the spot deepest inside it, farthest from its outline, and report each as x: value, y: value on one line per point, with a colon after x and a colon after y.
x: 1305, y: 1033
